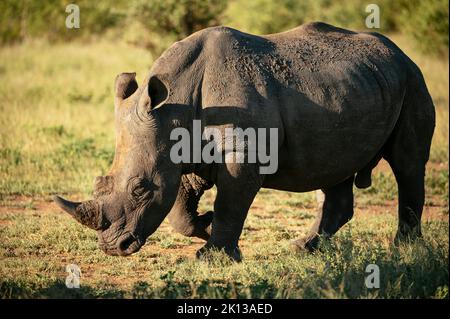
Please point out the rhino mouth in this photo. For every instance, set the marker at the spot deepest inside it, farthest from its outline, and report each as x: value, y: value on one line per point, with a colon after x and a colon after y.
x: 125, y: 245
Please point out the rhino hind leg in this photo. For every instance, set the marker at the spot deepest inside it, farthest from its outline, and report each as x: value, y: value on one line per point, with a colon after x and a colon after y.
x: 335, y: 210
x: 411, y: 197
x: 410, y: 177
x: 184, y: 217
x: 407, y: 152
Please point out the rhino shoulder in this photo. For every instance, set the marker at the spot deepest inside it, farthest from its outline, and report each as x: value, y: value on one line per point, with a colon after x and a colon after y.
x: 179, y: 56
x: 323, y: 27
x: 221, y: 40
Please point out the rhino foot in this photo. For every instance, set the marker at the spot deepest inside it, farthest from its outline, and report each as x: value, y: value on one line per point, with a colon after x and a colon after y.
x: 205, y: 253
x: 306, y: 244
x: 202, y: 228
x: 407, y: 237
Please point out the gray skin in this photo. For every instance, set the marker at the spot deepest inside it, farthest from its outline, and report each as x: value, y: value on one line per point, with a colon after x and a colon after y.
x: 340, y: 100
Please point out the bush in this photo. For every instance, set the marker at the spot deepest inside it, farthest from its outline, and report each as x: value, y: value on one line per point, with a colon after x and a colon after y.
x: 157, y: 23
x: 24, y: 19
x: 427, y: 23
x: 179, y: 18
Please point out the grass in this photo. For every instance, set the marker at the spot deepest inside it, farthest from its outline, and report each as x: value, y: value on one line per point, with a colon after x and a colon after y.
x: 37, y: 244
x: 56, y: 127
x: 57, y: 134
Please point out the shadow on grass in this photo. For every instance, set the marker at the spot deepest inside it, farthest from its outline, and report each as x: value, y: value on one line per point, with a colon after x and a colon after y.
x: 10, y: 289
x: 417, y: 270
x: 214, y: 289
x: 141, y: 290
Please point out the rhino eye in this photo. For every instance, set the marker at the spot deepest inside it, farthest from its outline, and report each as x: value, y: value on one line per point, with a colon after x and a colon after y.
x: 104, y: 223
x: 139, y: 190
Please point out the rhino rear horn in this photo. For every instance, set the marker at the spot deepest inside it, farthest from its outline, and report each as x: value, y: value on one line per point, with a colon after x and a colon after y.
x: 86, y: 213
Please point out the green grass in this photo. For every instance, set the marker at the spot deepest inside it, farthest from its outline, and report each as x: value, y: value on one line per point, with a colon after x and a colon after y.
x: 36, y: 248
x: 57, y: 134
x: 57, y: 122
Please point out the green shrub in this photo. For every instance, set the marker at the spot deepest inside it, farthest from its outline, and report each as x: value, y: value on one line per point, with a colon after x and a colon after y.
x: 178, y: 17
x: 24, y: 19
x: 427, y: 23
x: 157, y: 23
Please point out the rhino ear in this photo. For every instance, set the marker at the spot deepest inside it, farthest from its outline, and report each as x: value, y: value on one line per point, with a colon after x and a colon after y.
x: 157, y: 91
x: 125, y: 85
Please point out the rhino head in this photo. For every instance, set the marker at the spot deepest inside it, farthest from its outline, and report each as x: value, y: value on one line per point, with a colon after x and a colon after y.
x: 134, y: 198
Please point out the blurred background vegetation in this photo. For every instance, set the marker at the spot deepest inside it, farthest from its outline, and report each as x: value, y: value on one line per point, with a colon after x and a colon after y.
x: 156, y: 23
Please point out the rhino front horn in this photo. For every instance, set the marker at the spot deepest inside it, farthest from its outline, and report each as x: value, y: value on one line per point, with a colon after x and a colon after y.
x: 87, y: 213
x: 66, y: 205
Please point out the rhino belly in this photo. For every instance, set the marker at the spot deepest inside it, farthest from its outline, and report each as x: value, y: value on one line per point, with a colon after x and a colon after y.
x: 323, y: 146
x: 325, y: 160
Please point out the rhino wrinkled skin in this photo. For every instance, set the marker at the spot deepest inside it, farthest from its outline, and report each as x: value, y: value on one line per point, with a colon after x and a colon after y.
x: 341, y: 101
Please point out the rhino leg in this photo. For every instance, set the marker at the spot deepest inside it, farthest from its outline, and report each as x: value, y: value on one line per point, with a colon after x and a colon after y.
x: 183, y: 216
x: 411, y: 197
x: 407, y: 152
x: 336, y: 210
x: 410, y: 176
x: 237, y: 186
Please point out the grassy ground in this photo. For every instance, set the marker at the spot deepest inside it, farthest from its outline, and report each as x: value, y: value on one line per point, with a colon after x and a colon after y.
x: 56, y: 135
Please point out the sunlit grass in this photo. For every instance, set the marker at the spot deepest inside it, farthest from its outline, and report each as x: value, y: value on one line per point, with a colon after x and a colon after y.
x: 56, y: 127
x: 36, y: 248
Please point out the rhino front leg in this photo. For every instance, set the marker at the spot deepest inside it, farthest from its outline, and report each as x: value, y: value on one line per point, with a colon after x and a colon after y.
x: 335, y: 211
x: 183, y: 216
x: 237, y: 186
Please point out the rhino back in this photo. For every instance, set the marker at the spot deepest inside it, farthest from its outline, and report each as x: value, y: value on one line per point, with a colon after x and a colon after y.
x: 334, y: 94
x: 342, y: 103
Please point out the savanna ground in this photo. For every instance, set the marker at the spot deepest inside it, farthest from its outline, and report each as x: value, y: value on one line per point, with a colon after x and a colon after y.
x: 57, y: 134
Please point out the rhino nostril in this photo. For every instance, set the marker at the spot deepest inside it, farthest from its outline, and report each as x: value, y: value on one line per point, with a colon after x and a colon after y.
x: 126, y: 242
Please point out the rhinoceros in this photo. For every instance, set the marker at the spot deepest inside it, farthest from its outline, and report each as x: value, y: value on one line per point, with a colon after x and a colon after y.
x: 340, y: 100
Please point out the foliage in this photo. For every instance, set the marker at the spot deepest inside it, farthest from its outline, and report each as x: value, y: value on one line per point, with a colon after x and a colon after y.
x: 427, y: 23
x: 24, y: 19
x: 178, y: 18
x: 38, y: 242
x: 156, y: 23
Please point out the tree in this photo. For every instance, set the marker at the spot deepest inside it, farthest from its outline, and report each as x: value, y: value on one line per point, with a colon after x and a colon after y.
x: 179, y: 18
